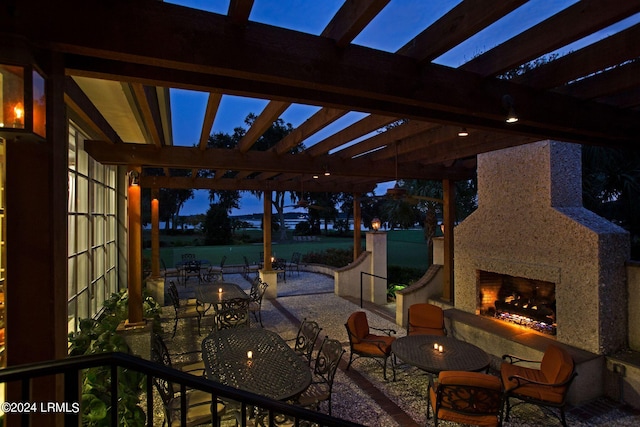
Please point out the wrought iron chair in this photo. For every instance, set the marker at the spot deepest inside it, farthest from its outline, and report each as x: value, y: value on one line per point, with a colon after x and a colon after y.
x: 426, y: 319
x: 306, y: 338
x: 233, y: 313
x: 365, y: 344
x: 294, y: 264
x: 170, y: 272
x: 182, y: 311
x: 324, y: 371
x: 465, y: 397
x: 215, y: 272
x: 258, y: 288
x: 200, y: 409
x: 546, y: 387
x: 249, y: 268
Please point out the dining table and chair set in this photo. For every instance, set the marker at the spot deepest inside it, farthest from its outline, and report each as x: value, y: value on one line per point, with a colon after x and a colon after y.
x: 460, y: 388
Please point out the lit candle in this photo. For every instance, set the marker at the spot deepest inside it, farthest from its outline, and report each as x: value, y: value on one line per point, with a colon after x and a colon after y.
x: 440, y: 348
x: 220, y: 290
x: 435, y: 346
x: 249, y: 354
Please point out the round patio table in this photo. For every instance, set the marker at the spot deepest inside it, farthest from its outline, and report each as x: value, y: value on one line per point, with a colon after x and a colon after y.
x: 456, y: 355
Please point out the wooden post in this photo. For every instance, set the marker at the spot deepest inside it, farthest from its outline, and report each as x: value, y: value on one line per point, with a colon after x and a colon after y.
x: 449, y: 207
x: 155, y: 234
x: 357, y: 220
x: 134, y: 231
x: 266, y: 232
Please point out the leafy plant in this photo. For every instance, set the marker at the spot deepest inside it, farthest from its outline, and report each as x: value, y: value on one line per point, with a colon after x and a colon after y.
x: 99, y: 336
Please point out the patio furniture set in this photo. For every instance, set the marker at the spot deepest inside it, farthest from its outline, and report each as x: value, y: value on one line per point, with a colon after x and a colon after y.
x: 459, y: 390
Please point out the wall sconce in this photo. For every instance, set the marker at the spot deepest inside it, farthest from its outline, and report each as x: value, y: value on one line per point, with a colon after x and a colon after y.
x: 442, y: 228
x: 507, y: 103
x: 23, y: 102
x: 463, y: 132
x: 375, y: 224
x: 134, y: 177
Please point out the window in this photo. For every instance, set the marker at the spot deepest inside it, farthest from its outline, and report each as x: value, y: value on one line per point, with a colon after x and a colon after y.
x: 92, y: 232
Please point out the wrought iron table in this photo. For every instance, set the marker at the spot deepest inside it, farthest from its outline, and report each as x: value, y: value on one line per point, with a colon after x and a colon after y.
x: 274, y: 370
x: 211, y: 293
x: 456, y: 355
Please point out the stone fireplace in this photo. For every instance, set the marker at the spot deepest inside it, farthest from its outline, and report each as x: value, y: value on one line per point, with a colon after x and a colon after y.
x: 546, y: 255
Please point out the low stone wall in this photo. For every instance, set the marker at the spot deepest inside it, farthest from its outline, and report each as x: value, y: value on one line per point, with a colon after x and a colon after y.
x: 428, y: 286
x: 347, y: 279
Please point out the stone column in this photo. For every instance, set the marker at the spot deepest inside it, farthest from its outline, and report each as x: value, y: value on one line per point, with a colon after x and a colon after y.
x: 377, y: 289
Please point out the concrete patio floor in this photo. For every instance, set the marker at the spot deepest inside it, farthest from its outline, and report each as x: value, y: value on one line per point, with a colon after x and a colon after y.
x: 361, y: 394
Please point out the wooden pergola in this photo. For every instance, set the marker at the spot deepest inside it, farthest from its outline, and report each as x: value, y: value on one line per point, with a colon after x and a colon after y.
x: 589, y: 96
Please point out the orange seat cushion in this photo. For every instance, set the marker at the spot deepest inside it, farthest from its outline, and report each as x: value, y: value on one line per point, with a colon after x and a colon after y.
x: 381, y: 348
x: 556, y: 366
x: 358, y: 325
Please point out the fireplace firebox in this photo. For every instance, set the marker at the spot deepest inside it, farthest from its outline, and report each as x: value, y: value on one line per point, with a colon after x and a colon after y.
x: 526, y: 302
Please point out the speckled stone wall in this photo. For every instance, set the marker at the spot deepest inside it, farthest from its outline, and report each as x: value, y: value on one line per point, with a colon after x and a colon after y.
x: 530, y: 223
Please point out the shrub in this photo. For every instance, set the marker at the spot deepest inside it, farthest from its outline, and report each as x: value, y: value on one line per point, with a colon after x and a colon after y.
x: 99, y: 336
x: 333, y: 257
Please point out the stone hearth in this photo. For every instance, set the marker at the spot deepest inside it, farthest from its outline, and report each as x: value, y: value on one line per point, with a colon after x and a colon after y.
x: 530, y: 223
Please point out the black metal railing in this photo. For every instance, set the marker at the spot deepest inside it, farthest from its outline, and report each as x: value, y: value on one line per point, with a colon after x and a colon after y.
x: 362, y: 273
x: 71, y: 369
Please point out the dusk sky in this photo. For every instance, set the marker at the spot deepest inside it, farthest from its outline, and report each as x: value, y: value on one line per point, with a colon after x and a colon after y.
x: 399, y: 22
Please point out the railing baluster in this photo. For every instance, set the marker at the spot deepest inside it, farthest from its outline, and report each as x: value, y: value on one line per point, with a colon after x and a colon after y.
x: 114, y: 395
x: 72, y: 395
x: 26, y: 397
x: 183, y: 405
x: 149, y: 400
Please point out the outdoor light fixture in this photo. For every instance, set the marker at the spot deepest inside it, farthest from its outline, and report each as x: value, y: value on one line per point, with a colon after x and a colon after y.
x: 375, y: 224
x: 463, y: 132
x: 23, y: 102
x: 326, y: 171
x: 134, y: 177
x: 507, y: 103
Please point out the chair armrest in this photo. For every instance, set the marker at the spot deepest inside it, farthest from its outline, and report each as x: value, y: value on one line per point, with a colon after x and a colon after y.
x: 386, y: 331
x: 522, y: 381
x: 510, y: 358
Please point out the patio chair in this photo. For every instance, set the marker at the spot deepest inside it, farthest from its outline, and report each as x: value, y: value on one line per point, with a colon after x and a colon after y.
x: 200, y: 409
x: 249, y: 268
x: 233, y: 313
x: 191, y: 269
x: 465, y: 397
x: 365, y: 344
x: 215, y: 272
x: 170, y: 272
x: 294, y: 264
x: 546, y: 387
x: 306, y: 338
x: 324, y: 370
x: 425, y: 319
x: 182, y: 311
x: 258, y: 288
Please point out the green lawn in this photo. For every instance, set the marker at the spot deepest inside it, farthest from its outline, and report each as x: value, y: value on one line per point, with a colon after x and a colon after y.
x: 405, y: 248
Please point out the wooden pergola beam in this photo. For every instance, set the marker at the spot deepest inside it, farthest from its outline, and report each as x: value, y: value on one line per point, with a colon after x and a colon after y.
x: 229, y: 159
x: 199, y: 49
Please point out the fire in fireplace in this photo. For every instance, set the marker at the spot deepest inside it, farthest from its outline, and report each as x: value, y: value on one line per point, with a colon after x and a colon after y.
x: 527, y: 302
